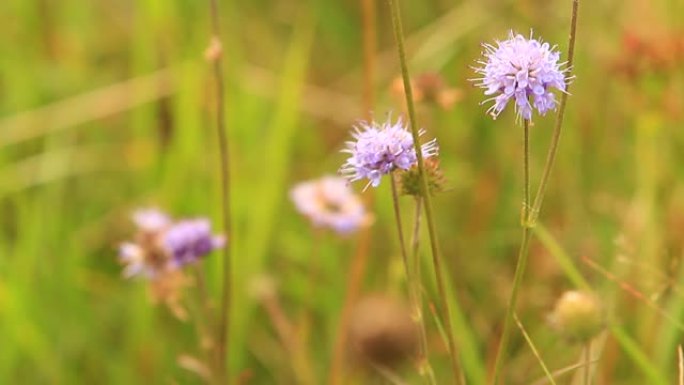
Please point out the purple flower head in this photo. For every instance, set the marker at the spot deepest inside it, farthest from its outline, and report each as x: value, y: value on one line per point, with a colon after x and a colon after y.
x: 379, y: 149
x: 189, y: 240
x: 524, y: 70
x: 329, y: 202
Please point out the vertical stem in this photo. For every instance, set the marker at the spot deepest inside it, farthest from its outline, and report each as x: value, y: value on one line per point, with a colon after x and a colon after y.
x: 553, y: 147
x: 412, y: 287
x: 530, y: 218
x: 587, y: 363
x: 400, y: 230
x: 522, y: 257
x: 436, y: 258
x: 224, y: 323
x: 424, y: 359
x: 525, y: 213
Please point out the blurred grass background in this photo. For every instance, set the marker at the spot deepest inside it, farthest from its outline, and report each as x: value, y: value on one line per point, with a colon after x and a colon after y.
x: 106, y: 106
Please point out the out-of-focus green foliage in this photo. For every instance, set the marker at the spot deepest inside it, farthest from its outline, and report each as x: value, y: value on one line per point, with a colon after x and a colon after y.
x: 106, y: 106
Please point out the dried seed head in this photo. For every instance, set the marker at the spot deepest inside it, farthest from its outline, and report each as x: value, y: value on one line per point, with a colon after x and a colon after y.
x: 578, y: 315
x: 382, y: 331
x: 409, y: 180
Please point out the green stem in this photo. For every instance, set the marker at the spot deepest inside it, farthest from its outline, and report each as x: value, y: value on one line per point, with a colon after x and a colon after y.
x: 522, y: 258
x: 439, y: 274
x: 530, y: 217
x: 224, y: 323
x: 412, y: 286
x: 525, y: 212
x: 553, y: 148
x: 425, y: 367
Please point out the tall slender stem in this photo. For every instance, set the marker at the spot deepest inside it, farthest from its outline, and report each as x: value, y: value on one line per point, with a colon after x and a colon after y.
x: 530, y: 216
x: 224, y: 323
x: 412, y: 287
x: 553, y: 147
x: 525, y: 212
x: 427, y: 202
x: 522, y: 257
x: 424, y: 362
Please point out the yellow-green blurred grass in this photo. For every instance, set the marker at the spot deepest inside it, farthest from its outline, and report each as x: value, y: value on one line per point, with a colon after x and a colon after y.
x: 78, y: 150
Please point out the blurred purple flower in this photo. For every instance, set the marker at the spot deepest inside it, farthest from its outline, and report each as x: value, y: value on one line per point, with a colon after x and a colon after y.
x: 189, y: 240
x: 524, y: 70
x: 379, y: 149
x: 162, y: 245
x: 329, y: 202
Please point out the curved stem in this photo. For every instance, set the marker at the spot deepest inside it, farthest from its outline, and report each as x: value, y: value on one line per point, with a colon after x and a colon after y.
x: 224, y: 323
x: 436, y: 258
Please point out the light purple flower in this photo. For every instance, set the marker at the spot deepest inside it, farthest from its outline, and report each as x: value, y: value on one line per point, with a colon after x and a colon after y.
x: 189, y: 240
x: 378, y: 149
x: 330, y: 202
x: 162, y: 245
x: 524, y: 70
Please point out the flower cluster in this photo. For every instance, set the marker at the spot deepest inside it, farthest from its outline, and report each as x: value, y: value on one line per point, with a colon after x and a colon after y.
x: 379, y: 149
x: 329, y: 202
x: 162, y: 245
x: 524, y: 70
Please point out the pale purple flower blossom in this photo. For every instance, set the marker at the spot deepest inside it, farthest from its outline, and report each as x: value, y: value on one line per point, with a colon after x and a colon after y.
x: 162, y: 245
x: 189, y: 240
x: 378, y: 149
x: 524, y: 70
x: 330, y: 202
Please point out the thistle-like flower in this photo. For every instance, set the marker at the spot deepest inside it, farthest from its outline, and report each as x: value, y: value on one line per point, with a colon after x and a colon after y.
x: 161, y: 245
x: 329, y: 202
x: 524, y: 70
x: 378, y: 149
x: 189, y: 240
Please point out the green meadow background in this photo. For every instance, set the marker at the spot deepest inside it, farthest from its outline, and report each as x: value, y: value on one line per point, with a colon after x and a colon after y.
x: 107, y: 105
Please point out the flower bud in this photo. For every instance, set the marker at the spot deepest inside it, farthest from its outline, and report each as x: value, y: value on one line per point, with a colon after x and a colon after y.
x: 578, y: 315
x: 410, y: 182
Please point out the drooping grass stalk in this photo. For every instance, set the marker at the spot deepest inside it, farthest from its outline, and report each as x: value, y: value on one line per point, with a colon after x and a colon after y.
x: 415, y: 303
x: 359, y: 262
x: 427, y: 202
x: 535, y: 352
x: 530, y: 215
x: 223, y: 367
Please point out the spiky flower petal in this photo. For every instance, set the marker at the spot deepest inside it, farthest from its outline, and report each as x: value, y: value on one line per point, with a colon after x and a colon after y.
x: 380, y: 148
